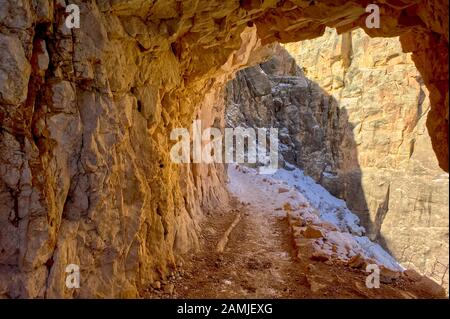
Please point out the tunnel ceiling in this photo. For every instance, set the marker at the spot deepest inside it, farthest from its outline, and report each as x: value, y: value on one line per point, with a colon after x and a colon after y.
x: 421, y: 25
x: 86, y: 116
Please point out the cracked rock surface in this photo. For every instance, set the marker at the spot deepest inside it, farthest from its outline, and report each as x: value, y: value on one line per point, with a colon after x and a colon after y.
x: 86, y: 115
x: 351, y: 112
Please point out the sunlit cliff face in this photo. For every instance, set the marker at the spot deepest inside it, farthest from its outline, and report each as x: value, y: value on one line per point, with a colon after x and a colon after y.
x: 351, y: 113
x: 86, y: 115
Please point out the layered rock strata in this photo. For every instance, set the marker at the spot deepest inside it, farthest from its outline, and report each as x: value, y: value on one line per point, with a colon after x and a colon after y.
x: 351, y: 112
x: 86, y: 114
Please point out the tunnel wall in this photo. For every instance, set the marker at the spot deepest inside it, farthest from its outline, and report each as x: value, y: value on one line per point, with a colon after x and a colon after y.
x: 86, y: 114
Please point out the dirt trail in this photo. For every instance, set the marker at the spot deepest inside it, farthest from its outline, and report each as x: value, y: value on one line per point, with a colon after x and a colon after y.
x: 260, y: 261
x: 257, y: 261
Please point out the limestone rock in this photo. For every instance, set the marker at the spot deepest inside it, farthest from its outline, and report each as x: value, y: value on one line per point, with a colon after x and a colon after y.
x: 169, y: 288
x: 351, y: 112
x: 282, y: 190
x: 357, y: 261
x: 385, y: 150
x: 320, y: 256
x: 388, y: 276
x: 15, y: 71
x: 312, y: 232
x: 85, y: 171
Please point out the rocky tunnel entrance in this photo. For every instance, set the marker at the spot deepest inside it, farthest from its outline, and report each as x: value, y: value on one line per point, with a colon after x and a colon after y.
x: 86, y: 114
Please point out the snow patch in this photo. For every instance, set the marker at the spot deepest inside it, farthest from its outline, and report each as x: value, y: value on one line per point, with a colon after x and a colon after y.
x: 313, y: 204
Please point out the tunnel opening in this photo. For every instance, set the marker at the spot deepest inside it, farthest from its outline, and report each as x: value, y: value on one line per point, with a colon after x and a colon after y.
x: 346, y: 163
x: 105, y: 197
x: 348, y: 108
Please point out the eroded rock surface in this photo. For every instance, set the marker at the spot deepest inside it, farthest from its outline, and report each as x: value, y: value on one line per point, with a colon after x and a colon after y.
x: 351, y: 111
x: 86, y: 115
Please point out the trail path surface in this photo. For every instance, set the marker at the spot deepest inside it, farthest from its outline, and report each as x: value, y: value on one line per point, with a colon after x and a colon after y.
x: 260, y: 260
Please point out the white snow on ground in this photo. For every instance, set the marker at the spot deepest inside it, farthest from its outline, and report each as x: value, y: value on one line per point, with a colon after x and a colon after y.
x: 312, y: 202
x: 331, y: 209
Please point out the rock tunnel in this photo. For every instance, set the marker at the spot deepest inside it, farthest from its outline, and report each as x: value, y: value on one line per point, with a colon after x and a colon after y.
x: 86, y: 115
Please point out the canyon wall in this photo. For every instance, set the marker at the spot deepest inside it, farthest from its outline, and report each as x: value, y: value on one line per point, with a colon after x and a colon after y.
x: 402, y: 195
x: 86, y: 115
x: 86, y: 176
x: 351, y: 111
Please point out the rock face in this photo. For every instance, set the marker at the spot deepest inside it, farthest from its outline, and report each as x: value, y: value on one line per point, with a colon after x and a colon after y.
x: 351, y: 112
x: 86, y: 177
x: 86, y: 116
